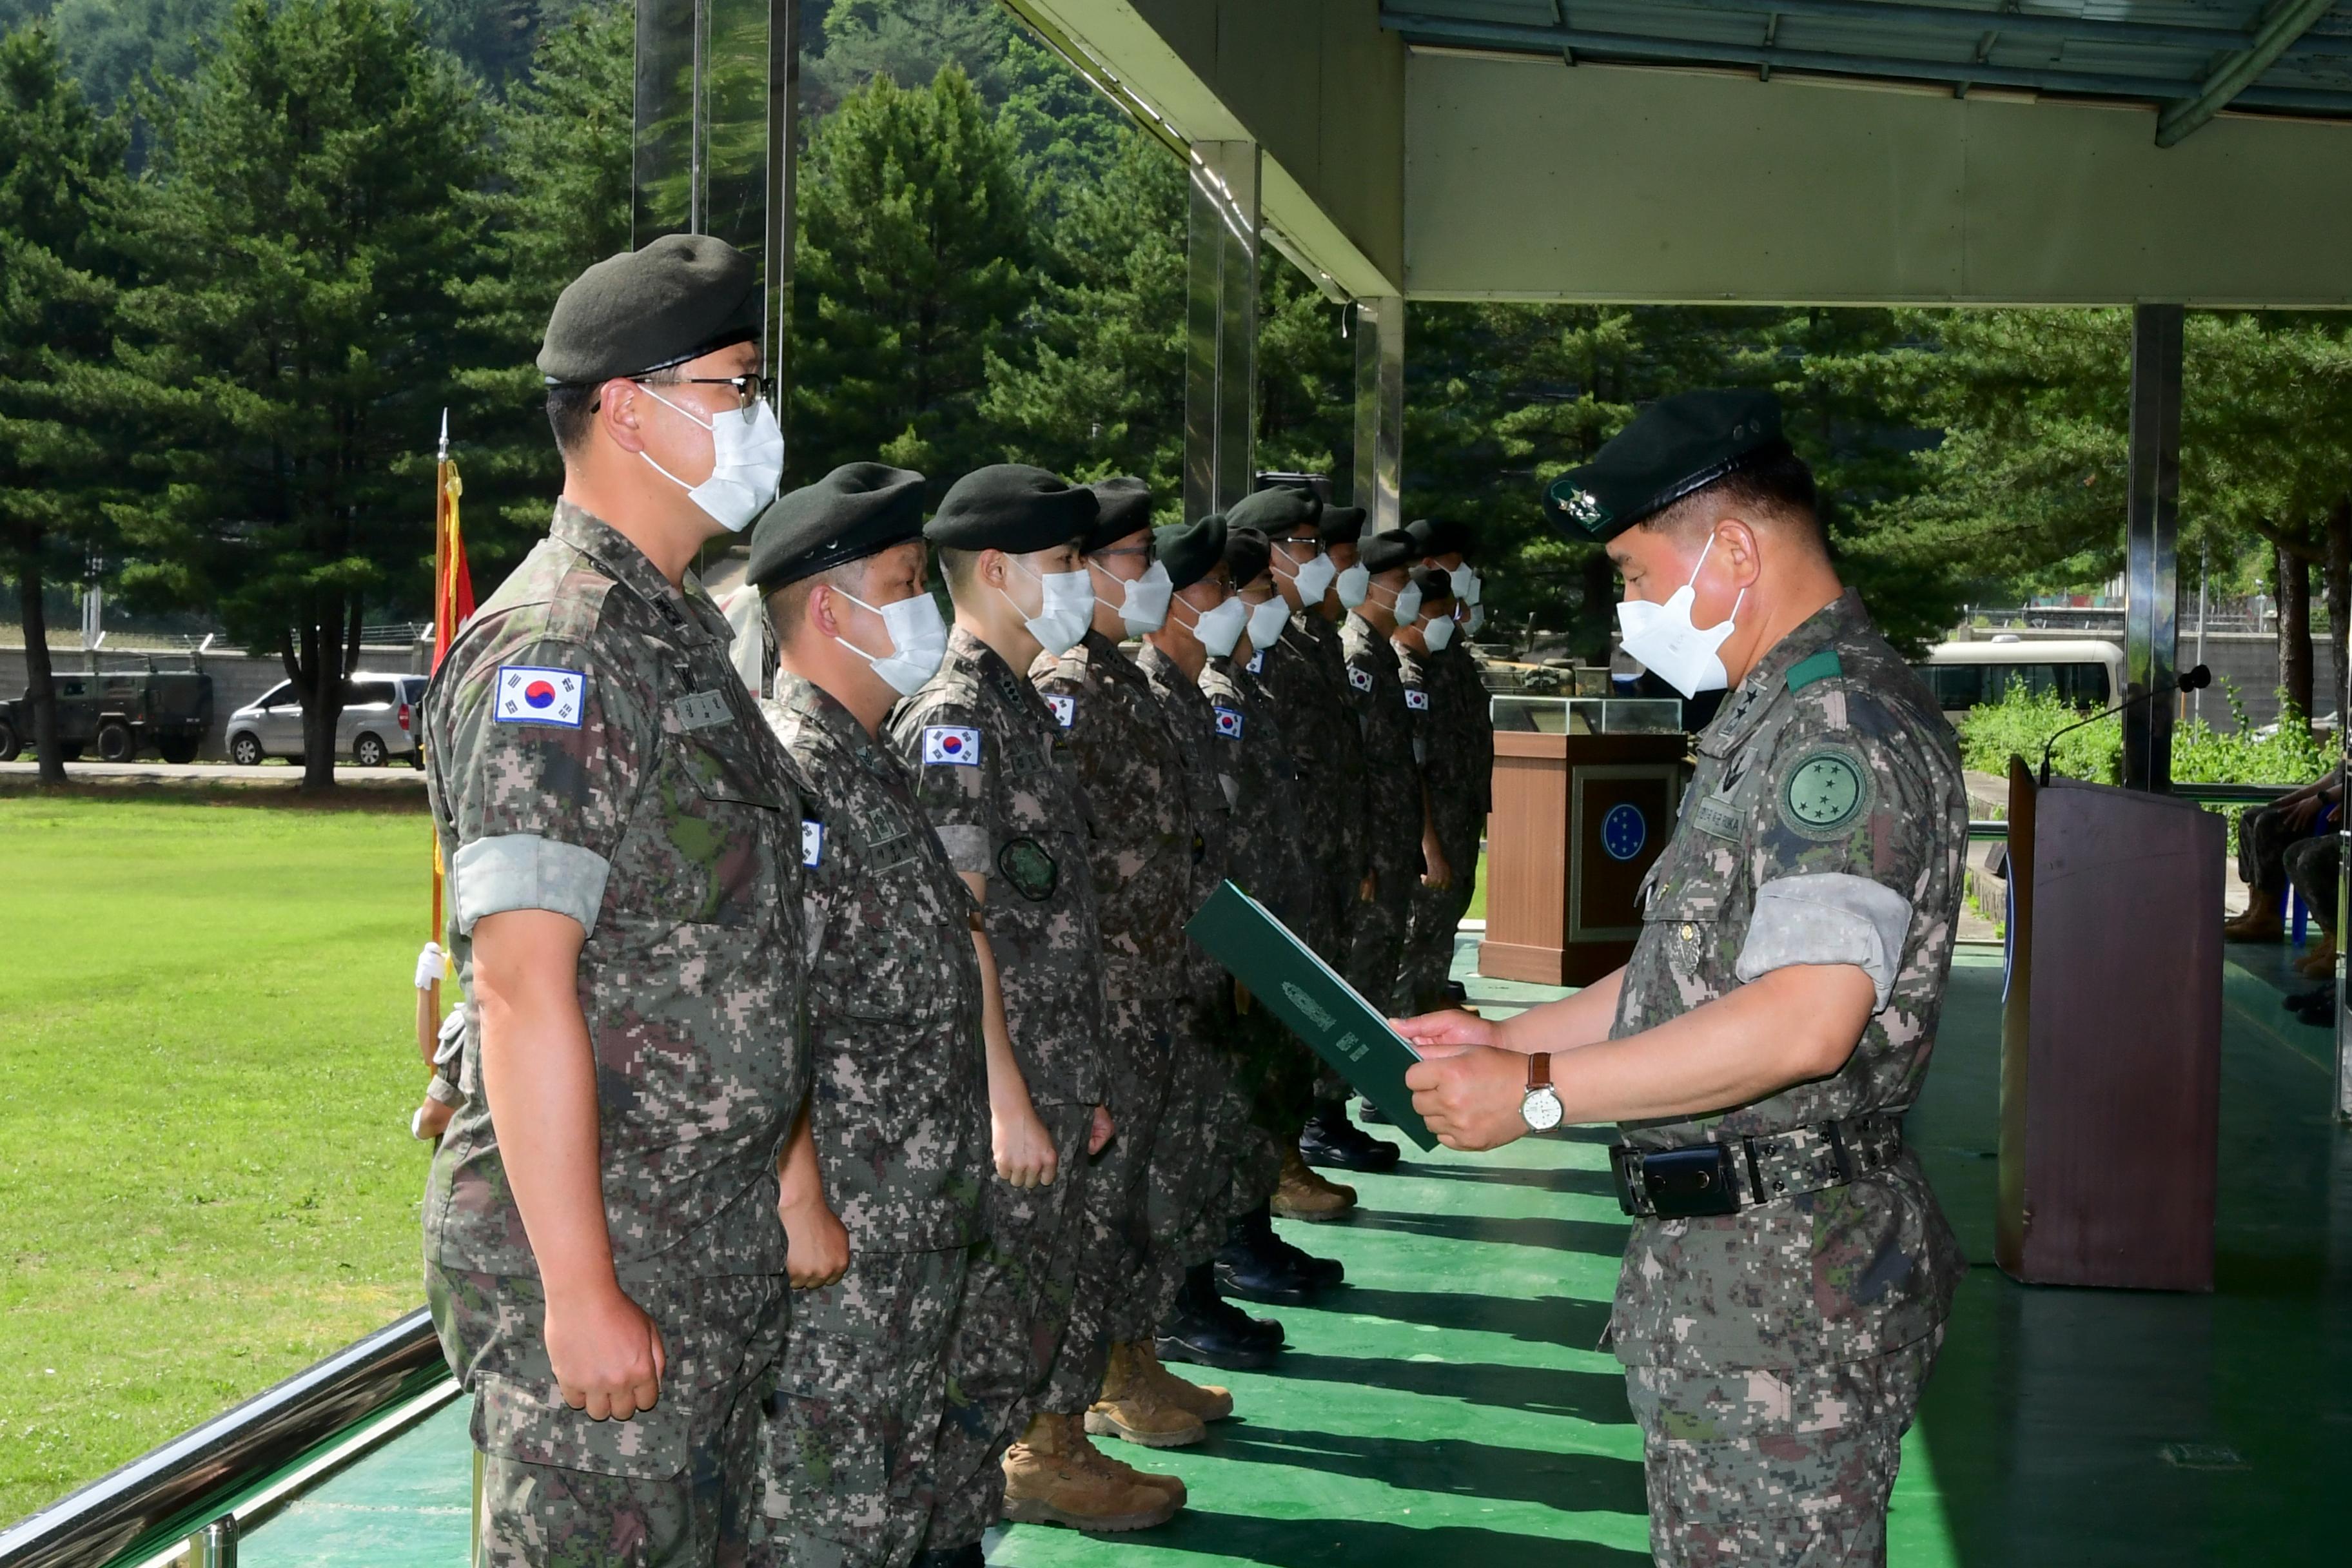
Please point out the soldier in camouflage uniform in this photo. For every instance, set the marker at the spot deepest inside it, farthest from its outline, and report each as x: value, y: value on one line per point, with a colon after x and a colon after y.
x: 1789, y: 1273
x: 994, y: 775
x: 882, y: 1181
x: 1458, y: 735
x: 1396, y: 807
x: 1304, y: 675
x: 1443, y: 781
x: 601, y: 1253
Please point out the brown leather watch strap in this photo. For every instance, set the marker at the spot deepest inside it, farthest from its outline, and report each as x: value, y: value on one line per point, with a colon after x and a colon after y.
x: 1539, y: 1069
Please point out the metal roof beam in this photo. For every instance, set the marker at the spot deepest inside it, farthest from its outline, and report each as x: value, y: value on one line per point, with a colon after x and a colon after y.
x: 2287, y: 22
x: 1972, y: 22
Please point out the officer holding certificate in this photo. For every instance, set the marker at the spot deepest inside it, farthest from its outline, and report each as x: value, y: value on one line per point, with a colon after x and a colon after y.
x: 1788, y: 1272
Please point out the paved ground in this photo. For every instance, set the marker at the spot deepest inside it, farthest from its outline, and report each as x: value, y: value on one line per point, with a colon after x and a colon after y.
x: 279, y: 775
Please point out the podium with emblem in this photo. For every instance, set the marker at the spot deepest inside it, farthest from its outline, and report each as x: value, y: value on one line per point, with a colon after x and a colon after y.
x: 1585, y: 800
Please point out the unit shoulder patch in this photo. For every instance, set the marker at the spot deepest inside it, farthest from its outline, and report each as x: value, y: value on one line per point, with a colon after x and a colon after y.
x: 1825, y: 792
x: 952, y: 744
x: 539, y: 694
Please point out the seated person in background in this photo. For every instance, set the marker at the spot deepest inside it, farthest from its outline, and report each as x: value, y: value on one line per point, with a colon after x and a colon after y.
x: 2313, y: 865
x: 440, y: 1046
x: 2264, y: 838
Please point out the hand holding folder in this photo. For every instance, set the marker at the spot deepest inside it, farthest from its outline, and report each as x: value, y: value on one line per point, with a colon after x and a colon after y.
x: 1285, y: 976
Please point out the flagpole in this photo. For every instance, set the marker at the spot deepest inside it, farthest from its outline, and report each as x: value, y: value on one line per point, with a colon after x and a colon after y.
x: 442, y: 631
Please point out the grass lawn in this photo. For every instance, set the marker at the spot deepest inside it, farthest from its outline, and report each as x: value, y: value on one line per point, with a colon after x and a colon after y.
x: 1478, y: 910
x: 206, y: 1180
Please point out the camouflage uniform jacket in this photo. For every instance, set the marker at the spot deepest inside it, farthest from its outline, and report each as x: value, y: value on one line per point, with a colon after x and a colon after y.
x: 899, y: 1101
x: 1446, y: 756
x: 1465, y: 720
x: 1392, y: 779
x: 591, y: 752
x: 1133, y: 770
x: 998, y: 785
x: 1267, y: 854
x: 1826, y: 824
x: 1194, y: 719
x: 1304, y: 673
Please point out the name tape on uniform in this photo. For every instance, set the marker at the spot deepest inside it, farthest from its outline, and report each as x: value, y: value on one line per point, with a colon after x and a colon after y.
x: 538, y: 694
x: 1361, y: 679
x: 1229, y: 723
x: 951, y: 744
x: 1065, y: 710
x: 1416, y: 700
x: 812, y: 843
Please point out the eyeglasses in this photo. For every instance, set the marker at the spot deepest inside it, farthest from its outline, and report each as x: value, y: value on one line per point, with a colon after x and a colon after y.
x: 1145, y: 550
x: 748, y: 389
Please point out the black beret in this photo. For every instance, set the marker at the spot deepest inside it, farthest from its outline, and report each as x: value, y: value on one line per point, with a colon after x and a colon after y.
x: 1676, y: 446
x: 1011, y: 507
x: 679, y: 297
x: 856, y: 510
x: 1276, y: 510
x: 1248, y: 553
x: 1341, y: 526
x: 1435, y: 585
x: 1122, y: 506
x: 1387, y: 553
x: 1441, y: 536
x: 1190, y: 551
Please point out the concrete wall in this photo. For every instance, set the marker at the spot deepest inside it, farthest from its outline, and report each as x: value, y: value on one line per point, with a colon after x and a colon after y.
x: 1528, y: 179
x: 237, y: 678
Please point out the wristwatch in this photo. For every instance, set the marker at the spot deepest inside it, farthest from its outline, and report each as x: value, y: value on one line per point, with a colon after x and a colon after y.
x: 1541, y: 1109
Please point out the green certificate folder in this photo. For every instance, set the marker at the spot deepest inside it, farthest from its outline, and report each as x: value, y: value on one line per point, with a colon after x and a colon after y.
x: 1286, y: 977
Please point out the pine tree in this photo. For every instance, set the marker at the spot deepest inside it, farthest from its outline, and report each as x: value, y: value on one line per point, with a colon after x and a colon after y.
x: 913, y: 265
x: 300, y: 231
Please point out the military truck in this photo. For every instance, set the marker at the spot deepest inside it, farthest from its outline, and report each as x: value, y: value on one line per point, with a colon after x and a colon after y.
x: 118, y: 714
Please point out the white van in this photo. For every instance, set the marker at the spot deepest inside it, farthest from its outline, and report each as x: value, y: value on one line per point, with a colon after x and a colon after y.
x: 2084, y: 672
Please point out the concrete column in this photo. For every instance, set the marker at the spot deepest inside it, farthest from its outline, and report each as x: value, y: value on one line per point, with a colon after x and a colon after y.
x: 1222, y: 250
x: 1380, y: 412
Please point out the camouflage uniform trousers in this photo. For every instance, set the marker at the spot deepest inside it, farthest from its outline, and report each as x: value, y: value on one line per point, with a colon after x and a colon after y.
x: 2264, y: 840
x: 1376, y: 927
x: 854, y: 1428
x: 2312, y: 868
x: 1329, y: 929
x: 1210, y: 1155
x: 1273, y: 1071
x: 1436, y: 916
x: 1785, y: 1469
x: 1015, y: 1338
x: 675, y: 1484
x: 1114, y: 1288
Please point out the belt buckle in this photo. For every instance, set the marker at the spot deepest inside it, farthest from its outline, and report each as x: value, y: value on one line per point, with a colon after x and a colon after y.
x: 1690, y: 1183
x: 1624, y: 1165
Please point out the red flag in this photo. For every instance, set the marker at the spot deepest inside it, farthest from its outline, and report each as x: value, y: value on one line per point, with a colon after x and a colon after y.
x: 453, y: 583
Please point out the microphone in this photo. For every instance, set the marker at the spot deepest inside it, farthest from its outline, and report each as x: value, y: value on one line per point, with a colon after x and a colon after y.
x: 2192, y: 679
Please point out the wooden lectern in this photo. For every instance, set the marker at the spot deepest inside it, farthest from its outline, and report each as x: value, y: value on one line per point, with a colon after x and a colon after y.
x: 1577, y: 821
x: 2111, y: 1037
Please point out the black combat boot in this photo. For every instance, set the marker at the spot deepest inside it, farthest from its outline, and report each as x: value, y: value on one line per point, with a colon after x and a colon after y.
x: 1249, y: 1266
x: 954, y: 1557
x: 1332, y: 1139
x: 1324, y: 1272
x: 1202, y: 1327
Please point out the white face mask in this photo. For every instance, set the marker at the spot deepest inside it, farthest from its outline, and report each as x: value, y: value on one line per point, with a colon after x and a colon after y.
x: 919, y: 640
x: 1066, y: 611
x: 1355, y: 585
x: 1438, y: 633
x: 1407, y: 609
x: 1313, y: 577
x: 747, y: 459
x: 1144, y: 607
x: 1663, y: 638
x: 1466, y: 586
x: 1220, y: 630
x: 1267, y: 620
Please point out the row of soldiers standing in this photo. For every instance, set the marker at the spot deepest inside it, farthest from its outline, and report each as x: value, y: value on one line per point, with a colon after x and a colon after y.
x: 877, y: 987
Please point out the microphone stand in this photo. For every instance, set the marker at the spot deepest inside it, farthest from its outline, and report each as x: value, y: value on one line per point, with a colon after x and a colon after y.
x: 2193, y: 679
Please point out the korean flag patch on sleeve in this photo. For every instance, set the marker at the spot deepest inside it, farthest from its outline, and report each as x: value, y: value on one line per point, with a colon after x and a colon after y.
x: 951, y: 744
x: 1256, y: 666
x: 812, y: 844
x: 534, y: 694
x: 1361, y: 679
x: 1416, y: 700
x: 1229, y: 723
x: 1065, y: 710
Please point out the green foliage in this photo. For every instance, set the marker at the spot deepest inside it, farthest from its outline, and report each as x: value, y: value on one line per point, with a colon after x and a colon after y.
x: 294, y: 339
x: 109, y: 46
x: 914, y: 265
x: 2289, y: 755
x: 2022, y: 720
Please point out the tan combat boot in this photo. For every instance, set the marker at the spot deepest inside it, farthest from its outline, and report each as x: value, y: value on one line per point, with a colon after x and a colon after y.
x: 1053, y: 1476
x: 2319, y: 963
x: 1205, y: 1400
x: 1302, y: 1194
x: 1172, y: 1486
x: 1133, y: 1406
x: 2260, y: 923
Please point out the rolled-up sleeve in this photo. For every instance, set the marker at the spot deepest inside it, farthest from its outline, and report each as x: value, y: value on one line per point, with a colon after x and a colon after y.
x: 526, y: 871
x: 1827, y: 917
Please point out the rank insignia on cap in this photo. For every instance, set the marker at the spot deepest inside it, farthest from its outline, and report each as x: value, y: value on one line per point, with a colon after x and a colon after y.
x: 1416, y: 700
x: 1229, y: 723
x: 812, y: 843
x: 530, y: 694
x: 1361, y: 679
x: 951, y: 744
x: 1065, y: 710
x: 1256, y: 666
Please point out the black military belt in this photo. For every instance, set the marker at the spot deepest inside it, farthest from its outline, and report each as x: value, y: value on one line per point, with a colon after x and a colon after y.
x: 1721, y: 1178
